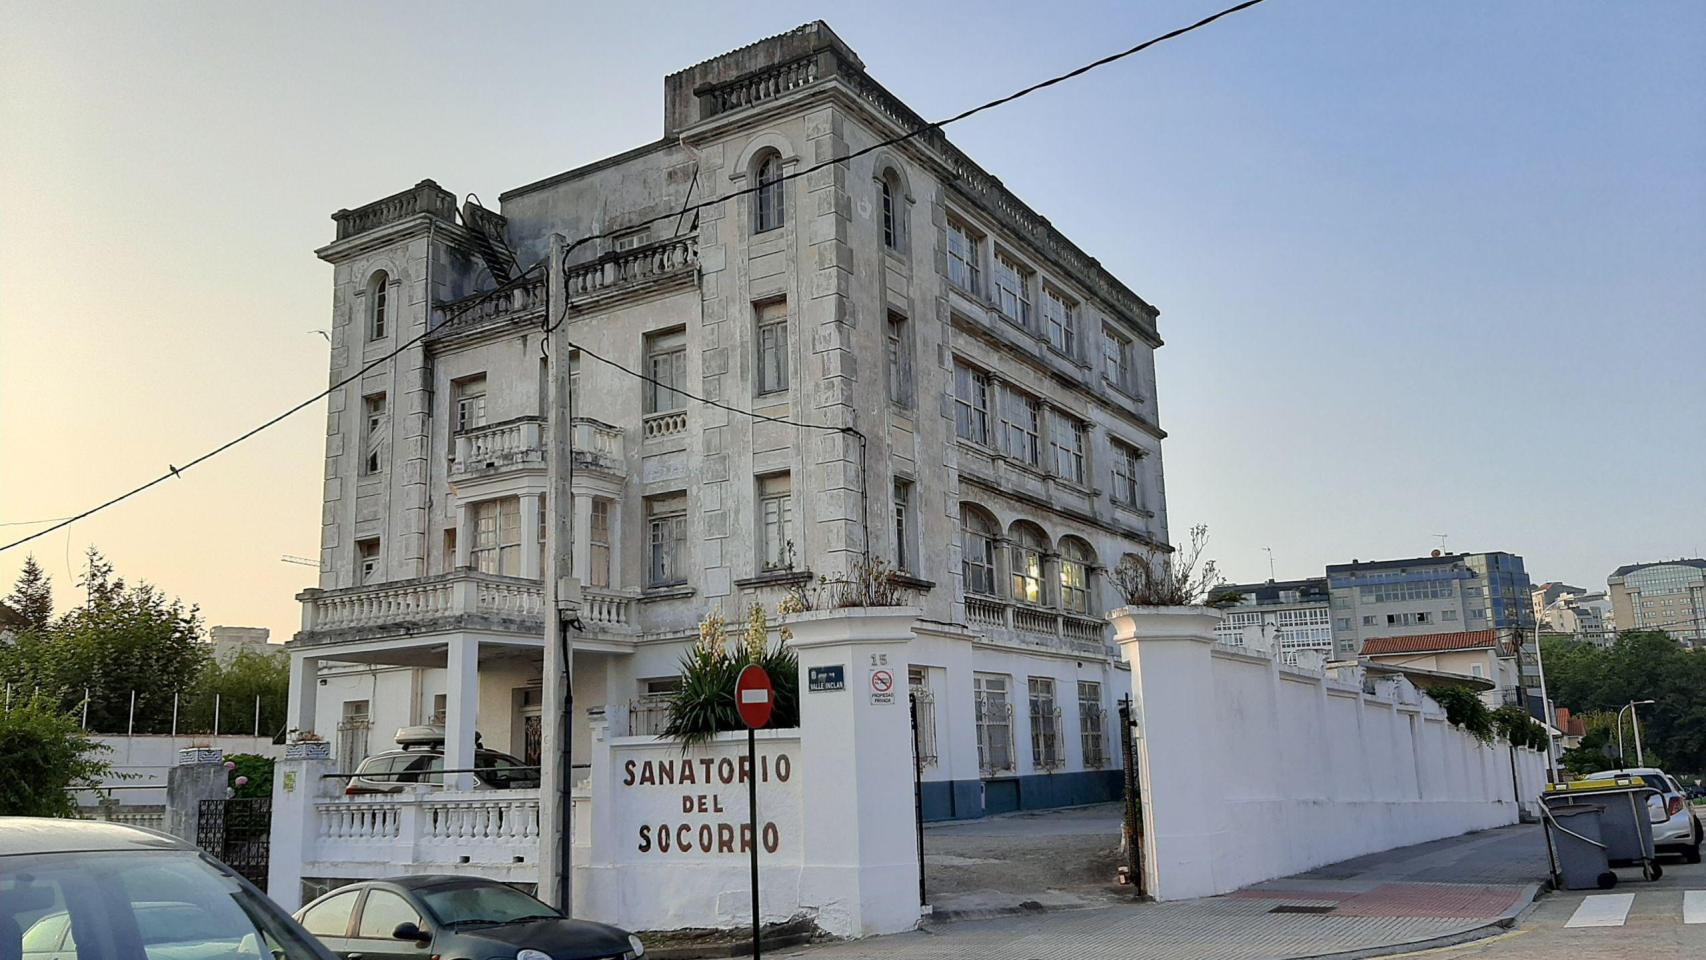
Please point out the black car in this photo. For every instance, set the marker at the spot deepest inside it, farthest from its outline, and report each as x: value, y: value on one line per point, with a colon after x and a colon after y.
x: 416, y: 918
x: 82, y: 890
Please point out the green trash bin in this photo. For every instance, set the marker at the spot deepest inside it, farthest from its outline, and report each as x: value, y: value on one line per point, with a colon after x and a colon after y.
x: 1577, y: 848
x: 1625, y: 826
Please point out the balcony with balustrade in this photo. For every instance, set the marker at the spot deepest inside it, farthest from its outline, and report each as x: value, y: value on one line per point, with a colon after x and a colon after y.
x: 1028, y: 625
x: 517, y: 446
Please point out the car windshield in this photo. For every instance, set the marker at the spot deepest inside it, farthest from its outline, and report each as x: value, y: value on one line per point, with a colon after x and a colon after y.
x: 502, y: 770
x: 141, y: 906
x: 481, y: 903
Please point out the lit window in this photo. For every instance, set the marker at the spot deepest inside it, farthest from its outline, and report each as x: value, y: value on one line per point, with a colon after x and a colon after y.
x: 666, y: 365
x: 1074, y: 577
x: 666, y: 523
x: 767, y: 202
x: 373, y: 439
x: 773, y: 347
x: 776, y: 517
x: 1013, y: 290
x: 971, y: 404
x: 1058, y: 323
x: 963, y: 257
x: 1025, y: 564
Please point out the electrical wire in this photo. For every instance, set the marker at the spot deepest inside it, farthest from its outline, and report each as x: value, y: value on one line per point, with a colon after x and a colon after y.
x: 175, y: 471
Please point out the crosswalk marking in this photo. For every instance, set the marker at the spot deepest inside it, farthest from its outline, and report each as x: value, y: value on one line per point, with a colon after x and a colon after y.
x: 1602, y: 910
x: 1694, y: 906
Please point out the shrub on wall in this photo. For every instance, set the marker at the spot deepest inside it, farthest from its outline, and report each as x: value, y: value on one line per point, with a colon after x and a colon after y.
x: 1520, y: 729
x: 1464, y: 710
x: 45, y: 754
x: 705, y: 703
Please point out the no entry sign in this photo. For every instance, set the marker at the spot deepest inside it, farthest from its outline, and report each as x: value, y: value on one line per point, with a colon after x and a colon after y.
x: 755, y: 698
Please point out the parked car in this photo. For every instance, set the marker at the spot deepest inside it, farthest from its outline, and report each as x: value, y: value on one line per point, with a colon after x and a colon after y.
x: 433, y: 916
x: 419, y: 759
x: 1676, y: 830
x: 86, y: 890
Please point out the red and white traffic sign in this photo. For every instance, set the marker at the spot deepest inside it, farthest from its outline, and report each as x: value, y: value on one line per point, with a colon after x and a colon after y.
x: 755, y: 698
x: 882, y: 686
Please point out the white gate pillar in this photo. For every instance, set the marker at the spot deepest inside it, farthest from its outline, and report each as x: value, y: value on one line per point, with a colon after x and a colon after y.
x: 860, y: 863
x: 461, y: 710
x: 297, y: 787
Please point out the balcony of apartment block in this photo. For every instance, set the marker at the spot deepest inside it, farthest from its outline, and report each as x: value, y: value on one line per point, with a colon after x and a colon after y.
x: 1030, y: 625
x: 518, y: 445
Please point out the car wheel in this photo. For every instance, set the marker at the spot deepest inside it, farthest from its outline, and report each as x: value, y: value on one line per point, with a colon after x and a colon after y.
x: 1691, y: 854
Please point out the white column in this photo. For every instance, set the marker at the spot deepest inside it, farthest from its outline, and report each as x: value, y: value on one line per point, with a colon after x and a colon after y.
x: 464, y: 535
x: 461, y: 709
x: 304, y: 692
x: 298, y: 786
x: 583, y: 542
x: 532, y: 550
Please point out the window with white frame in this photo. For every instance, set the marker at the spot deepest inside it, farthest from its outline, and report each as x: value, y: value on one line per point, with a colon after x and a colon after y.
x: 632, y: 240
x: 900, y: 360
x: 1116, y: 359
x: 964, y: 253
x: 1025, y: 563
x: 542, y: 535
x: 598, y: 538
x: 1074, y: 576
x: 575, y: 385
x: 1058, y: 322
x: 378, y: 295
x: 469, y: 394
x: 1012, y: 290
x: 666, y: 536
x: 497, y: 536
x: 767, y: 212
x: 666, y: 365
x: 773, y: 347
x: 992, y: 700
x: 354, y: 725
x: 1128, y: 481
x: 1045, y: 724
x: 1092, y: 724
x: 373, y: 436
x: 1068, y: 441
x: 977, y: 551
x: 367, y: 561
x: 924, y: 712
x: 971, y: 403
x: 776, y: 521
x: 903, y: 549
x: 1021, y: 416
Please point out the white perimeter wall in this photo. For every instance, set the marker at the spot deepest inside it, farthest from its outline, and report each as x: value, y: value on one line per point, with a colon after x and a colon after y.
x: 140, y: 763
x: 1254, y: 770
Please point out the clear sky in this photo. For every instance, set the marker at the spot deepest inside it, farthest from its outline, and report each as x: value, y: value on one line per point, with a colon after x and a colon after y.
x: 1428, y: 267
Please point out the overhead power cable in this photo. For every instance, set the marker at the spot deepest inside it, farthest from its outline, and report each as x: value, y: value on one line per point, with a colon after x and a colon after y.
x: 175, y: 471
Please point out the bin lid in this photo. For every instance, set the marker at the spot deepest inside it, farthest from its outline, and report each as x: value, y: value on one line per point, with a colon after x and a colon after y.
x: 1583, y: 786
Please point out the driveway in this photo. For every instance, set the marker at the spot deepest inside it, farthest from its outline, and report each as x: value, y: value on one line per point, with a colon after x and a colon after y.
x: 1054, y: 859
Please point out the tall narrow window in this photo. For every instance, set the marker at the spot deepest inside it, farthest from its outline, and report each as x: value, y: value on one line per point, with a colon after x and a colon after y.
x: 776, y: 520
x: 1116, y: 359
x: 666, y: 365
x: 963, y: 254
x: 1127, y: 480
x: 1074, y: 577
x: 767, y: 202
x: 377, y: 295
x: 1058, y: 323
x: 977, y: 551
x: 903, y: 559
x: 1013, y: 290
x: 1091, y: 724
x: 1025, y: 564
x: 470, y: 396
x: 900, y: 360
x: 497, y: 536
x: 599, y: 539
x: 1068, y: 442
x: 990, y: 699
x: 890, y: 186
x: 373, y: 435
x: 575, y: 384
x: 971, y: 403
x: 773, y: 347
x: 1045, y: 724
x: 353, y: 728
x: 666, y: 532
x: 1021, y: 414
x: 367, y: 561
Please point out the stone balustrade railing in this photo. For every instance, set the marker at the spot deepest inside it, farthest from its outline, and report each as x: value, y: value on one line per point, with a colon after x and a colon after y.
x: 1031, y: 624
x: 658, y: 425
x: 423, y: 197
x: 627, y: 267
x: 609, y: 610
x: 527, y: 296
x: 597, y: 444
x: 758, y: 87
x: 423, y: 600
x: 491, y: 827
x: 505, y: 444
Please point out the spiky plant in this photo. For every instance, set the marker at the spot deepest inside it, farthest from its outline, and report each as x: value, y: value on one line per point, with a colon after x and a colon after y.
x: 704, y: 705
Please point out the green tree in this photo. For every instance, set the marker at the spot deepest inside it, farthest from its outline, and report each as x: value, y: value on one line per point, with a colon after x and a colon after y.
x: 44, y: 756
x: 1640, y: 665
x: 32, y: 596
x: 238, y: 684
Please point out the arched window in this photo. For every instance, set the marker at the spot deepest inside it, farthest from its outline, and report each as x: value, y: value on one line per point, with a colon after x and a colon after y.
x: 1076, y: 558
x: 978, y: 534
x: 1025, y: 562
x: 376, y: 296
x: 767, y: 213
x: 893, y: 219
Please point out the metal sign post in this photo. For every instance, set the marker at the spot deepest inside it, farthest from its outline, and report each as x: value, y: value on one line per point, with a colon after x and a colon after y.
x: 754, y: 700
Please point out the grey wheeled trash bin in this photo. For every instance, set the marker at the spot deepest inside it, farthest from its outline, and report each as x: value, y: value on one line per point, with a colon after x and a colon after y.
x: 1578, y: 853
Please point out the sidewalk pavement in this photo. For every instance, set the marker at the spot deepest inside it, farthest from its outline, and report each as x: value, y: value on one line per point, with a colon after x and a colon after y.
x: 1426, y: 895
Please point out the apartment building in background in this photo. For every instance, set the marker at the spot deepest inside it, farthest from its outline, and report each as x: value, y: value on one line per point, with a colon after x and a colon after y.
x: 1668, y: 595
x: 1573, y: 612
x: 1291, y: 616
x: 935, y: 374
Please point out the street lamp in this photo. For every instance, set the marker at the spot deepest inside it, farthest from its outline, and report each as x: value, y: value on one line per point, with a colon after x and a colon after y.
x: 1636, y: 719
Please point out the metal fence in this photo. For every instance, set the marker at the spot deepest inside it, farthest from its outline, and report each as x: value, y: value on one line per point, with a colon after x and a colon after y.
x: 151, y: 712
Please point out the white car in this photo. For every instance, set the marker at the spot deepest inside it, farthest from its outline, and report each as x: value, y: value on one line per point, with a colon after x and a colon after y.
x: 1676, y: 830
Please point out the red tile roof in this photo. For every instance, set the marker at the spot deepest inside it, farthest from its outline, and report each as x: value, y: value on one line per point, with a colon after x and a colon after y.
x: 1432, y: 642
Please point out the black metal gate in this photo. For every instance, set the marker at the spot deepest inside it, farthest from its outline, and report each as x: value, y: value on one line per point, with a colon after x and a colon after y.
x: 239, y: 832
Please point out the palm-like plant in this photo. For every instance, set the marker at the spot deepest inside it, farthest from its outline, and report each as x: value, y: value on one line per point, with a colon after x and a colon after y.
x: 704, y: 705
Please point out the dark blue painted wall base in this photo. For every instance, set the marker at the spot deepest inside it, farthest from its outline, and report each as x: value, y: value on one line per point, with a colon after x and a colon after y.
x: 970, y: 799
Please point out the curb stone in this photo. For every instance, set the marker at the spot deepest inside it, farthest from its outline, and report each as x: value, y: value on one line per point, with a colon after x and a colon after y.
x: 1498, y: 925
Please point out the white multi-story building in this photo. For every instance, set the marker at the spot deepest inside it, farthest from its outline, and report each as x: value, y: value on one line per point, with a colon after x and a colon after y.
x: 1287, y: 616
x: 933, y: 373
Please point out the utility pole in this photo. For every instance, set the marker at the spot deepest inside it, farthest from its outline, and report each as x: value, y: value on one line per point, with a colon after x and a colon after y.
x: 1551, y: 716
x: 562, y: 604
